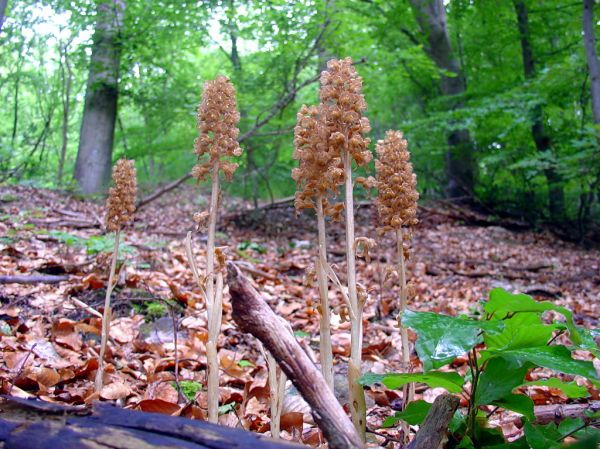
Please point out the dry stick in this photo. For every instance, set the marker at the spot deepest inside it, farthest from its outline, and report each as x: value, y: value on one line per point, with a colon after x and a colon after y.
x: 358, y: 406
x: 107, y: 314
x: 408, y: 390
x: 33, y: 279
x: 277, y: 381
x: 434, y: 428
x: 326, y: 353
x: 253, y: 315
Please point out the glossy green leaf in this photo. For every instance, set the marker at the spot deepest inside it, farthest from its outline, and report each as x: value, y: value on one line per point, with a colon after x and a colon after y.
x: 414, y: 414
x: 500, y: 377
x: 570, y: 389
x: 557, y: 358
x: 442, y: 338
x: 517, y: 403
x: 542, y: 437
x: 451, y: 381
x: 502, y: 303
x: 521, y: 331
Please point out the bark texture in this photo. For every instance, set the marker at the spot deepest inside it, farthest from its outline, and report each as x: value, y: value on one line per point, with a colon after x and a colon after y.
x: 543, y: 142
x: 94, y: 156
x: 253, y: 315
x: 589, y: 41
x: 434, y: 428
x: 431, y: 17
x: 28, y: 424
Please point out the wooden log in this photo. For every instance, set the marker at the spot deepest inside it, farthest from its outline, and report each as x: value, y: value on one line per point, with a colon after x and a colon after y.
x: 435, y: 426
x: 545, y: 414
x: 253, y: 315
x: 33, y: 279
x: 26, y: 424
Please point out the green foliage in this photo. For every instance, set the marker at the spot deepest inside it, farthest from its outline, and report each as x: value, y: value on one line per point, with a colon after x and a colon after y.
x: 95, y: 244
x: 249, y: 245
x: 188, y: 388
x: 517, y: 339
x: 154, y: 310
x: 168, y: 50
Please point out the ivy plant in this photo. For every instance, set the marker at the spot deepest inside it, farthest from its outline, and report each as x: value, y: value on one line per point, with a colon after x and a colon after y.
x: 510, y: 338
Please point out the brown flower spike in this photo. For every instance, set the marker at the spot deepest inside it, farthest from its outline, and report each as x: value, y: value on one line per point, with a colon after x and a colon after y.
x: 217, y: 124
x: 319, y: 173
x: 396, y: 183
x: 120, y: 204
x: 343, y: 104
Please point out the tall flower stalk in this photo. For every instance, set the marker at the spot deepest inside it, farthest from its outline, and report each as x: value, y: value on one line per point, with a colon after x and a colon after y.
x: 343, y: 103
x: 217, y: 125
x: 397, y: 209
x: 318, y: 176
x: 120, y: 207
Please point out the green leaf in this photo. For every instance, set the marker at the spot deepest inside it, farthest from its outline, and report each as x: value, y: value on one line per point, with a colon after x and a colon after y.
x: 414, y: 414
x: 517, y: 403
x: 443, y: 338
x: 245, y: 363
x: 570, y: 389
x: 226, y: 408
x: 557, y: 358
x: 521, y: 331
x: 500, y: 377
x: 503, y: 303
x: 451, y: 381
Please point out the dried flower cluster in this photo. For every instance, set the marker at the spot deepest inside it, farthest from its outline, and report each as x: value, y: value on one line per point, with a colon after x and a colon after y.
x: 217, y: 124
x: 120, y: 204
x: 343, y: 104
x: 319, y: 172
x: 396, y: 182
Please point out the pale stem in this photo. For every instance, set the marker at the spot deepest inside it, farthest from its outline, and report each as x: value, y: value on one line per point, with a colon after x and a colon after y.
x: 107, y: 314
x: 358, y: 406
x: 326, y: 353
x: 408, y: 389
x: 213, y: 304
x: 277, y: 381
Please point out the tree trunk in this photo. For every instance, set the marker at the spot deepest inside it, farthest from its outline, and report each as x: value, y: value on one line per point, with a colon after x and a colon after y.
x: 589, y: 40
x: 431, y: 17
x: 94, y: 156
x: 67, y: 79
x: 2, y: 12
x: 543, y: 143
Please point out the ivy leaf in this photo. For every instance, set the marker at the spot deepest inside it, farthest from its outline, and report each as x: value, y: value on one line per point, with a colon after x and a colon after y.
x: 442, y: 338
x: 557, y: 358
x: 517, y: 403
x: 570, y: 389
x: 500, y: 377
x: 451, y: 381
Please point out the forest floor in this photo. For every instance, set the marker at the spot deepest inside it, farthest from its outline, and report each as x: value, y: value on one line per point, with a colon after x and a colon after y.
x: 49, y: 333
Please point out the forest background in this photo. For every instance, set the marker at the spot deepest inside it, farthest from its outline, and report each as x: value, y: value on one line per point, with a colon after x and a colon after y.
x: 496, y: 97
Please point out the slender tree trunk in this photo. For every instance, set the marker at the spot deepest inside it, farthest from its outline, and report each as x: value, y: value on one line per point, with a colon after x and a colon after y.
x: 589, y: 41
x: 94, y: 156
x: 67, y: 77
x: 543, y: 142
x: 431, y: 17
x: 2, y: 12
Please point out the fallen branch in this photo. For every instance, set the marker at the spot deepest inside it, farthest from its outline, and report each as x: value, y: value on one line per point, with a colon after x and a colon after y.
x: 33, y: 279
x: 253, y: 315
x: 23, y: 422
x: 545, y: 414
x: 160, y: 192
x: 435, y: 426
